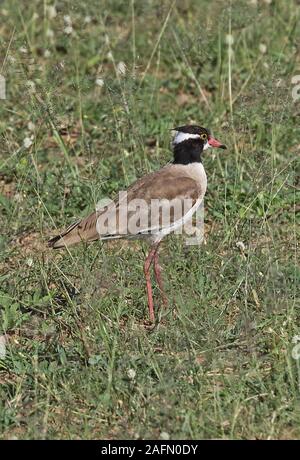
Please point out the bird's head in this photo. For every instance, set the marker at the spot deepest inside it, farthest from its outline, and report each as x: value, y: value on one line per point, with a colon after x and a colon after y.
x: 189, y: 142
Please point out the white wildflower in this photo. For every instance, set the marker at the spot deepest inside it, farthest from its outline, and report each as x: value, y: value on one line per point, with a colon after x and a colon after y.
x: 49, y: 33
x: 18, y: 197
x: 27, y: 142
x: 121, y: 68
x: 68, y: 19
x: 30, y: 85
x: 2, y: 346
x: 131, y: 374
x: 99, y: 82
x: 262, y: 48
x: 51, y: 11
x: 23, y: 49
x: 229, y: 39
x: 240, y: 245
x: 68, y: 30
x: 29, y: 262
x: 296, y: 352
x: 87, y: 19
x: 47, y: 53
x: 31, y: 126
x: 110, y: 55
x: 296, y: 339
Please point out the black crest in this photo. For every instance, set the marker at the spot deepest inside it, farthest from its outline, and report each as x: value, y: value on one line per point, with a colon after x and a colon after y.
x: 192, y: 129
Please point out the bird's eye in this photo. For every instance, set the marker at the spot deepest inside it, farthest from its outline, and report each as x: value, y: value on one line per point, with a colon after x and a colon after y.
x: 203, y: 136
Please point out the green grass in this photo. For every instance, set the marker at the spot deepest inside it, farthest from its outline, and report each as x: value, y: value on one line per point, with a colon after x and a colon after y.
x: 79, y: 361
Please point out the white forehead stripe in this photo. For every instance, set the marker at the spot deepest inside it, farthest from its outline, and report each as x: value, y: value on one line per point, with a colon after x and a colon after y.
x: 180, y: 137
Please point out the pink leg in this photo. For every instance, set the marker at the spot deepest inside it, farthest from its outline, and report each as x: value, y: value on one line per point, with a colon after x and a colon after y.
x: 147, y: 266
x: 157, y: 272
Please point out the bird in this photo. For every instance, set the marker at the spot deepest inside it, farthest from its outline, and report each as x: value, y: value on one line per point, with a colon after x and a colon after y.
x: 132, y: 213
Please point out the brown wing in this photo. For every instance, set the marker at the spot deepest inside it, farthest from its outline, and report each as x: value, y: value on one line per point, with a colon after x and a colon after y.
x: 168, y: 185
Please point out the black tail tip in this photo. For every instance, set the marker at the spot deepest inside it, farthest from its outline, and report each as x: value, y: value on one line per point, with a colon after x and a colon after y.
x: 53, y: 240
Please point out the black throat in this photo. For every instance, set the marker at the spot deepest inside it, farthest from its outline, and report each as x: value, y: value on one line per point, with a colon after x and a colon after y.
x: 188, y: 151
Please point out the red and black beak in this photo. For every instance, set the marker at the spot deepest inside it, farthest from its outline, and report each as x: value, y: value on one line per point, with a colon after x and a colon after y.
x: 215, y: 143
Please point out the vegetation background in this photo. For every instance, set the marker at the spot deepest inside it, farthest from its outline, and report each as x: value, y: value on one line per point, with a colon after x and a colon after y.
x: 92, y: 90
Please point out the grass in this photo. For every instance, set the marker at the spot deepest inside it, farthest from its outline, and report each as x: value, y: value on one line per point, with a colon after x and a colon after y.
x: 79, y: 362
